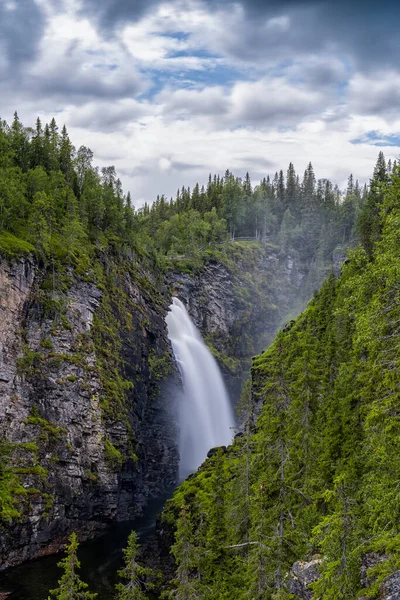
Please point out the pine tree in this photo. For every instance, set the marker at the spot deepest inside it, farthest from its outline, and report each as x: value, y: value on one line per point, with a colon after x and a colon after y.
x: 186, y: 582
x: 370, y: 224
x: 281, y: 193
x: 54, y: 145
x: 36, y: 148
x: 247, y: 186
x: 70, y: 586
x: 19, y: 143
x: 350, y: 185
x: 133, y: 574
x: 66, y: 153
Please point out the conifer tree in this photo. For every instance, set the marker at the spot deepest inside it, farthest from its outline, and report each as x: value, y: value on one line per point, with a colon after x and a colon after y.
x: 133, y: 574
x: 36, y: 148
x: 19, y: 143
x: 370, y: 224
x: 66, y: 153
x: 186, y: 582
x: 70, y: 586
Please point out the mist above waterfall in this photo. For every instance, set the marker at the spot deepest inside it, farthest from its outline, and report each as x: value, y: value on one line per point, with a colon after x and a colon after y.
x: 205, y: 414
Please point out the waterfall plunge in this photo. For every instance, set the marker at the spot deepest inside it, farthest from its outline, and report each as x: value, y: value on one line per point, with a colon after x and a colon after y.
x: 205, y: 415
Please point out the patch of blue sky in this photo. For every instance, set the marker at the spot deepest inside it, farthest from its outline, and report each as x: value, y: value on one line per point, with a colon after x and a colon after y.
x: 375, y: 138
x: 222, y: 75
x: 213, y: 75
x: 177, y: 35
x: 109, y: 67
x: 197, y: 52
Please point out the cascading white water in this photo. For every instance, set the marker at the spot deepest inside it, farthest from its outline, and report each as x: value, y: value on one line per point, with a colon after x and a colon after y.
x: 205, y: 414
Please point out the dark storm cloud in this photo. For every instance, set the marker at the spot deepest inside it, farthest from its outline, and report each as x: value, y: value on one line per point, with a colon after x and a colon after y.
x: 258, y: 164
x: 368, y: 31
x: 323, y: 73
x: 22, y: 25
x: 365, y: 34
x: 265, y: 103
x: 109, y: 13
x: 365, y: 31
x: 186, y: 103
x: 182, y: 166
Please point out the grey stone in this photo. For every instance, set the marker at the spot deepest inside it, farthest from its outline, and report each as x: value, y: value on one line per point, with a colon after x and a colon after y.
x: 86, y: 494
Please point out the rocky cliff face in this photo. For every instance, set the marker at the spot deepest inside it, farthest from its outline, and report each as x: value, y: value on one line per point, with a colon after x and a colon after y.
x: 93, y: 433
x: 239, y: 304
x: 87, y: 380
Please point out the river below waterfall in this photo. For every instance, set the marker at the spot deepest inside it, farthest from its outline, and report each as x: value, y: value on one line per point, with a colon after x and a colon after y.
x: 100, y: 560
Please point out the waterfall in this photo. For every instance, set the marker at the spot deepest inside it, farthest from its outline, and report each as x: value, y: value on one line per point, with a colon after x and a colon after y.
x: 205, y: 414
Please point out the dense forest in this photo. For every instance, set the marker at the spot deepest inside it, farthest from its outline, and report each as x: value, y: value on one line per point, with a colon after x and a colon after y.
x: 314, y: 473
x: 315, y: 469
x: 53, y: 198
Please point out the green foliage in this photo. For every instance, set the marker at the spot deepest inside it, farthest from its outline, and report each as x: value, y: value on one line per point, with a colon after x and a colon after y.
x: 187, y: 581
x: 46, y: 343
x: 135, y: 578
x: 113, y: 456
x: 29, y: 362
x: 48, y: 430
x: 9, y: 484
x: 70, y: 586
x: 318, y: 471
x: 53, y: 200
x: 228, y: 363
x: 14, y: 247
x: 160, y: 366
x: 13, y: 494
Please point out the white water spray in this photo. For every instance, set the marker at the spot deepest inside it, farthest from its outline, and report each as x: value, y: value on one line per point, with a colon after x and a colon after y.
x: 205, y: 415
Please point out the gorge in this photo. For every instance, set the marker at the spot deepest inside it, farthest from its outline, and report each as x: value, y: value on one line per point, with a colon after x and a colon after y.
x: 101, y: 489
x: 90, y: 390
x: 98, y: 468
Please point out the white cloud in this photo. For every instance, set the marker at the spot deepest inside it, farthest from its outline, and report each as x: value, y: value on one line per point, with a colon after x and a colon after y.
x: 288, y: 103
x: 375, y: 94
x: 274, y: 101
x: 281, y: 24
x: 150, y: 156
x: 75, y: 64
x: 10, y: 6
x: 269, y: 102
x: 164, y: 164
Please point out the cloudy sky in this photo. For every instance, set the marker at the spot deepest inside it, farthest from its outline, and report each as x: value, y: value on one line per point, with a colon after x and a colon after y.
x: 169, y: 91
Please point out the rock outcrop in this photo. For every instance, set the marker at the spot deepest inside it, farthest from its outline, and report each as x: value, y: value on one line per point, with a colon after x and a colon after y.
x: 82, y: 463
x: 238, y: 305
x: 87, y: 381
x: 301, y: 575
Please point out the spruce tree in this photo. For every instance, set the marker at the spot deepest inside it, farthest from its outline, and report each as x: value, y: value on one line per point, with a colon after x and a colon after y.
x: 186, y: 583
x: 370, y: 224
x: 133, y: 574
x: 70, y: 586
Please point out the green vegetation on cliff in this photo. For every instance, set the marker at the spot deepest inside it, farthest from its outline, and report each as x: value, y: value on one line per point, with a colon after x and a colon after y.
x: 303, y: 479
x: 317, y: 472
x: 79, y: 225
